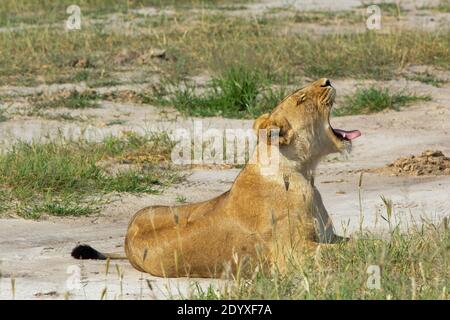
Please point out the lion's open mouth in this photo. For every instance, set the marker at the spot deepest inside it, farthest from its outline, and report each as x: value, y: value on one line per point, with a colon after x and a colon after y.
x: 346, y: 135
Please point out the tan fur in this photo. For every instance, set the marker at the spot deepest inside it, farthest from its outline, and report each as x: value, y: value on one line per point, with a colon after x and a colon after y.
x: 261, y: 216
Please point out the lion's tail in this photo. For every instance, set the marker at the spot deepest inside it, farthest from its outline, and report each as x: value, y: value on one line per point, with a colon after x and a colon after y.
x: 85, y: 252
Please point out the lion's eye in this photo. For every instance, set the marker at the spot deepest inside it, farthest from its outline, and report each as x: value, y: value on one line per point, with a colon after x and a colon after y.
x: 301, y: 98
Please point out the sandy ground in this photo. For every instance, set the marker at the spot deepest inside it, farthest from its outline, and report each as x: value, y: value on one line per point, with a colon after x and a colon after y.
x: 35, y: 260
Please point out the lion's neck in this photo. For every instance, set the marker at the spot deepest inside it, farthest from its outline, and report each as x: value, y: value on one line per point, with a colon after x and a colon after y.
x: 285, y: 162
x: 303, y: 167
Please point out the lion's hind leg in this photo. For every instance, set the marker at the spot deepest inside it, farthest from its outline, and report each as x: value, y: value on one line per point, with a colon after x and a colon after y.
x: 154, y: 238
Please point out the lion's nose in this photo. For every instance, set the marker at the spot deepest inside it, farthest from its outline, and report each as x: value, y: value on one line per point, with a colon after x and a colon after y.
x: 326, y: 82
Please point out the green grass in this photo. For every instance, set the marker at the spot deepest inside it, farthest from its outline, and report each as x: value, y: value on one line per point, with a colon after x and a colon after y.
x: 442, y: 6
x: 379, y: 59
x: 4, y: 201
x: 389, y: 8
x: 427, y: 78
x: 372, y: 99
x: 328, y: 17
x: 22, y: 10
x: 13, y: 13
x: 3, y: 116
x: 131, y: 181
x: 116, y: 122
x: 93, y: 78
x: 213, y: 44
x: 16, y: 12
x: 72, y: 100
x: 217, y: 45
x: 64, y: 177
x: 244, y: 93
x: 61, y: 208
x: 106, y: 82
x: 181, y: 199
x: 82, y: 75
x: 413, y: 265
x: 239, y: 92
x: 64, y: 116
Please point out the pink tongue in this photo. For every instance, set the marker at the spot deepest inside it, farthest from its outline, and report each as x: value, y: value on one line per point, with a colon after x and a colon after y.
x: 349, y: 135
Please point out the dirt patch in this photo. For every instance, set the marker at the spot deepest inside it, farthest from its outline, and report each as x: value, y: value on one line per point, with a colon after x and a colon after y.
x: 433, y: 163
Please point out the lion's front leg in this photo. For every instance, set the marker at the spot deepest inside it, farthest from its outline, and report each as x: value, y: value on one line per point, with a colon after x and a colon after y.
x: 323, y: 223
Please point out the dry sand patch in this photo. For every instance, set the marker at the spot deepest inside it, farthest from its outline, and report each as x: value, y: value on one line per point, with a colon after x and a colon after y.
x: 429, y: 162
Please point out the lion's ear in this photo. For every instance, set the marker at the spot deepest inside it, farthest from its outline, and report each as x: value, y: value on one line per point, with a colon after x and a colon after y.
x: 272, y: 123
x: 260, y: 122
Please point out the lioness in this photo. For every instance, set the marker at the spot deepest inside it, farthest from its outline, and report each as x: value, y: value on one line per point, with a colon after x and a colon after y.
x: 262, y: 216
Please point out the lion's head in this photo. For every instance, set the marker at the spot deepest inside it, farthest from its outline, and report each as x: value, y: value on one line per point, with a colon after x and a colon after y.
x: 303, y: 120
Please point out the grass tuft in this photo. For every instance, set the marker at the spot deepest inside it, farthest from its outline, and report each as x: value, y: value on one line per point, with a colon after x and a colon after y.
x: 3, y: 116
x: 60, y: 208
x: 238, y: 92
x: 72, y: 100
x: 57, y: 177
x: 427, y: 78
x: 328, y: 17
x: 442, y: 6
x: 412, y: 265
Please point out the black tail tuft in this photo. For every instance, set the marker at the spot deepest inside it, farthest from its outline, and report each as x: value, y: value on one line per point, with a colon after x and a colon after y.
x: 85, y: 252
